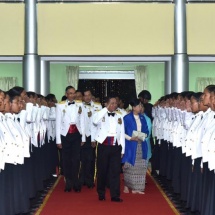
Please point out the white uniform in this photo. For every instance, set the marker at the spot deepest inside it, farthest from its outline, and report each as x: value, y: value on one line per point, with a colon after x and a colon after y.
x: 51, y: 130
x: 207, y: 142
x: 34, y: 125
x: 2, y: 149
x: 199, y: 133
x: 43, y: 123
x: 209, y: 151
x: 89, y: 111
x: 109, y: 126
x: 8, y: 142
x: 122, y: 111
x: 190, y: 132
x: 187, y: 119
x: 19, y: 144
x: 25, y: 137
x: 96, y: 106
x: 67, y: 115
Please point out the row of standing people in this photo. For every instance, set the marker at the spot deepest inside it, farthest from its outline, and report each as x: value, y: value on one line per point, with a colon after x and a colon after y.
x: 184, y: 128
x: 28, y: 149
x: 28, y: 153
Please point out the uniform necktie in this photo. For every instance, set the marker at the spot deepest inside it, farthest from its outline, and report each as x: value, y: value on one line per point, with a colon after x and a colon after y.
x: 111, y: 114
x: 71, y: 103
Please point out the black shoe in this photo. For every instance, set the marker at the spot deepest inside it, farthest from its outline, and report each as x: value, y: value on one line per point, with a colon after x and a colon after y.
x: 116, y: 199
x: 77, y: 190
x: 91, y: 186
x: 101, y: 198
x: 68, y: 186
x: 67, y: 190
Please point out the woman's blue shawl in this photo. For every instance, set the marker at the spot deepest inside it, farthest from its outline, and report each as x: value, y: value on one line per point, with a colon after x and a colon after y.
x: 149, y: 125
x: 131, y: 146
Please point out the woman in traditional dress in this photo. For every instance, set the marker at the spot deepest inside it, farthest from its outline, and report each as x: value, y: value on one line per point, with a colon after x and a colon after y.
x: 135, y: 156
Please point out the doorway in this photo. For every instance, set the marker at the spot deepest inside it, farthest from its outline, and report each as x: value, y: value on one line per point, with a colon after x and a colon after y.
x: 125, y: 89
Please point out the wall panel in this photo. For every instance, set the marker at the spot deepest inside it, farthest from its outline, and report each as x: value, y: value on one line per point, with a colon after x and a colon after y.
x: 12, y: 29
x: 201, y: 29
x: 106, y: 29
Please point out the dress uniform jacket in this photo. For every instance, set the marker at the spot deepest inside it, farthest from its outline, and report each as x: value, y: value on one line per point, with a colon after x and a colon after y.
x: 26, y: 121
x: 199, y: 133
x: 67, y: 115
x: 43, y: 123
x: 207, y: 142
x: 89, y: 111
x: 101, y: 119
x: 2, y: 149
x: 88, y: 115
x: 9, y: 142
x: 122, y: 111
x: 51, y: 127
x: 209, y: 152
x: 17, y: 137
x: 35, y: 118
x: 25, y: 137
x: 22, y: 118
x: 187, y: 120
x: 189, y: 135
x: 29, y: 109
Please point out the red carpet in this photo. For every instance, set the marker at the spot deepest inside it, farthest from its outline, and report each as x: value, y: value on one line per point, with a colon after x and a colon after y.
x: 153, y: 202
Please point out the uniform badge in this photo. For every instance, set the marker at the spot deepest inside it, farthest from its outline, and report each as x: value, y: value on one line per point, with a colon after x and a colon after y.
x: 119, y: 121
x: 103, y: 119
x: 89, y: 114
x: 79, y: 110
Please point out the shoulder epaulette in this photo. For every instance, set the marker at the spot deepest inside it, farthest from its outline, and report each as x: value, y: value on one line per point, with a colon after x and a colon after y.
x: 62, y: 102
x: 118, y: 112
x: 97, y: 103
x: 78, y: 101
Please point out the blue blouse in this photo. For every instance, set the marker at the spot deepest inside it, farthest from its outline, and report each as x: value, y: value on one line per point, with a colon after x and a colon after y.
x: 131, y: 146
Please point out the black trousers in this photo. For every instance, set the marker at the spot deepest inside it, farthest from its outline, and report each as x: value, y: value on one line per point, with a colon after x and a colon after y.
x: 176, y: 178
x: 87, y: 163
x: 60, y: 161
x: 170, y: 158
x: 71, y: 147
x: 108, y: 165
x: 155, y: 159
x: 163, y: 158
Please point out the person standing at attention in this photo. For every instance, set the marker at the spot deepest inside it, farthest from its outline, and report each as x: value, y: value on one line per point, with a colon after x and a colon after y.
x: 110, y: 136
x: 70, y: 134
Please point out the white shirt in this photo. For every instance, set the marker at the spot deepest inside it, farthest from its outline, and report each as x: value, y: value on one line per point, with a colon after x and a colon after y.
x: 112, y: 127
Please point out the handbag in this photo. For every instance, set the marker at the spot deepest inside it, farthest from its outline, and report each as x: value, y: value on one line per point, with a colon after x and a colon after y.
x: 141, y: 136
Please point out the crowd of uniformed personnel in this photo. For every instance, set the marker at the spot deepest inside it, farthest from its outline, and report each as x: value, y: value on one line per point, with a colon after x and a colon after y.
x: 31, y: 125
x: 184, y: 154
x: 80, y: 125
x: 28, y: 153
